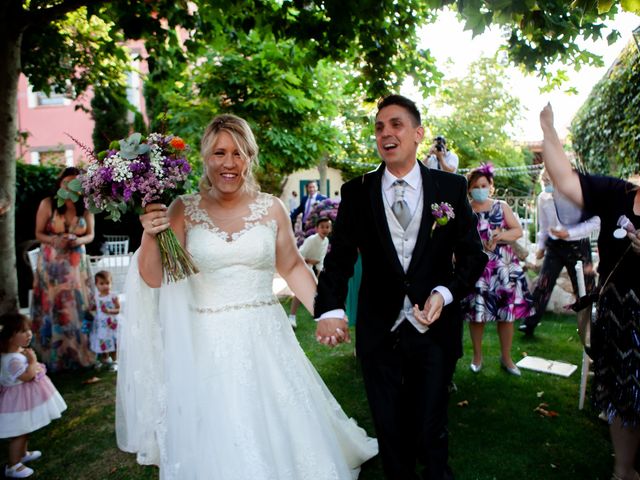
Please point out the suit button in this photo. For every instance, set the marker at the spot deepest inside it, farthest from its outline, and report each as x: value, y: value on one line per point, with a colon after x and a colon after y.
x: 407, y: 283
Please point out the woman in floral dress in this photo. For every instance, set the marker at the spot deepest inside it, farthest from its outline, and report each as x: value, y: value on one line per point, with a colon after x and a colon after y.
x: 62, y: 289
x: 501, y: 294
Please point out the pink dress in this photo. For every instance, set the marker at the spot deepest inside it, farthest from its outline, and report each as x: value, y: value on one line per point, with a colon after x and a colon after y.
x: 25, y: 406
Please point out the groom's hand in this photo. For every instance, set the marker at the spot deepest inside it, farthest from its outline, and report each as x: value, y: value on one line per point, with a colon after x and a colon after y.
x: 332, y: 331
x: 432, y: 309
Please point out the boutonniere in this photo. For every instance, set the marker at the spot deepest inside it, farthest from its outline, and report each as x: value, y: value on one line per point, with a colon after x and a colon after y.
x: 442, y: 212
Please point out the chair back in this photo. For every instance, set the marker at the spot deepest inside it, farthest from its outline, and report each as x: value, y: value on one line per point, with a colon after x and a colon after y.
x: 33, y: 258
x: 116, y: 245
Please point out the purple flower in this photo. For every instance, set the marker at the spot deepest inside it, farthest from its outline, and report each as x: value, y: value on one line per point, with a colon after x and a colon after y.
x: 144, y: 184
x: 442, y: 212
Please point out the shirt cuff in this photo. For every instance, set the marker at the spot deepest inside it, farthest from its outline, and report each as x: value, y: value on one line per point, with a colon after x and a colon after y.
x: 337, y: 313
x: 446, y: 294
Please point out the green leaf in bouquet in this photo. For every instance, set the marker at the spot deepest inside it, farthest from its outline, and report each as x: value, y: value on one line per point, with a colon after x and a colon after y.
x: 63, y: 194
x: 75, y: 186
x: 114, y: 213
x: 131, y: 147
x: 122, y: 207
x: 91, y: 206
x: 114, y: 145
x: 101, y: 155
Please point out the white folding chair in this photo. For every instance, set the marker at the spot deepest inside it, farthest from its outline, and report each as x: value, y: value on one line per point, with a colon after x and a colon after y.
x: 584, y: 330
x: 116, y: 245
x: 33, y: 258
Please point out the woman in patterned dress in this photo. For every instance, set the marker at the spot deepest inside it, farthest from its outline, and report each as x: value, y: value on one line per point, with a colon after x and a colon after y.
x: 501, y: 294
x: 62, y: 286
x: 615, y: 333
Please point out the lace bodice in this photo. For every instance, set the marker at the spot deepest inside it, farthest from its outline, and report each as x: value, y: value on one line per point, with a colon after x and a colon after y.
x: 236, y: 269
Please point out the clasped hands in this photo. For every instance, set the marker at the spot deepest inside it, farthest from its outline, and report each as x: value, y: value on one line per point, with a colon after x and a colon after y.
x: 333, y: 331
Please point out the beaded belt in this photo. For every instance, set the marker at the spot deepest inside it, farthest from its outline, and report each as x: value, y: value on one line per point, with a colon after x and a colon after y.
x: 236, y: 306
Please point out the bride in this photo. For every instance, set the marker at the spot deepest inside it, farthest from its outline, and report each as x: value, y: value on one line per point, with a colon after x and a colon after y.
x: 213, y: 383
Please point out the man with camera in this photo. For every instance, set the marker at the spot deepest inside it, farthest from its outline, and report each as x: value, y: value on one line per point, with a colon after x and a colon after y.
x: 440, y: 158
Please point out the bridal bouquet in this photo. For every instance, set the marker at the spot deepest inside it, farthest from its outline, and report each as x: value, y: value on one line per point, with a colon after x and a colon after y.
x: 131, y: 174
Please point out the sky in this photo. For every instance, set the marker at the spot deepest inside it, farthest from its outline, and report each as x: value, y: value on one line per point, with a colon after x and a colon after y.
x: 461, y: 46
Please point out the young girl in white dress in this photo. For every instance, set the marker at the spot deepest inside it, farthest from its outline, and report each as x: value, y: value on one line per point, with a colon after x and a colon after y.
x: 28, y: 399
x: 103, y: 338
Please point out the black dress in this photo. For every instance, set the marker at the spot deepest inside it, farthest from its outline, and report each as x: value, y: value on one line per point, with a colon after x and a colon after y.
x: 615, y: 334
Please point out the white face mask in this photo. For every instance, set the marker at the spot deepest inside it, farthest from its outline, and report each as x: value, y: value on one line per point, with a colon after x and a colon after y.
x: 480, y: 194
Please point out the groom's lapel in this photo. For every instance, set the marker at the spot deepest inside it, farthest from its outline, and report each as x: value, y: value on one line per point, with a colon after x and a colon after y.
x: 429, y: 194
x: 380, y: 218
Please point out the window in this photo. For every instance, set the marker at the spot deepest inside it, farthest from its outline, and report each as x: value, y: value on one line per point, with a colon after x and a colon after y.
x: 52, y: 156
x: 41, y: 99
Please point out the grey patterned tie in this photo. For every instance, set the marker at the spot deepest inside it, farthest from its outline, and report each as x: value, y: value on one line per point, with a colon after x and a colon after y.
x: 400, y: 207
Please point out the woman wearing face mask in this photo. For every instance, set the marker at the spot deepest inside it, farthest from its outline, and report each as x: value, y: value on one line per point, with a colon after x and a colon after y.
x: 501, y: 293
x: 563, y: 239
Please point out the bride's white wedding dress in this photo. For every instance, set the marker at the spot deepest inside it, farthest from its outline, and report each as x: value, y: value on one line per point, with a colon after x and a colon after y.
x: 212, y: 381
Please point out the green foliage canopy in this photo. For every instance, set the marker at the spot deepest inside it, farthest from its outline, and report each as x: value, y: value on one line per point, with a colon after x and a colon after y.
x: 476, y: 113
x: 606, y: 130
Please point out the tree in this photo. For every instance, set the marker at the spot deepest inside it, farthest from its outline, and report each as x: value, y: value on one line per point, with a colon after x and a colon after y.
x: 41, y: 39
x: 606, y: 130
x: 109, y: 108
x: 476, y: 114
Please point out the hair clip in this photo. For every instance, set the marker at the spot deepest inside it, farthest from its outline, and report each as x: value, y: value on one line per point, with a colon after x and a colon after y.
x: 486, y: 169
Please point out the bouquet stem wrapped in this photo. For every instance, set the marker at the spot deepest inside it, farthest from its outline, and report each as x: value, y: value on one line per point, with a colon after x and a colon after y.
x: 176, y: 262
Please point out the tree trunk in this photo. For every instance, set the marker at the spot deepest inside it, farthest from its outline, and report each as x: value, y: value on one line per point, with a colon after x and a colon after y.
x: 322, y: 168
x: 10, y: 43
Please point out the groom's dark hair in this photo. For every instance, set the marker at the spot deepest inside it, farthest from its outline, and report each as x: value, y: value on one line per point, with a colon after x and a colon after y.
x: 404, y: 102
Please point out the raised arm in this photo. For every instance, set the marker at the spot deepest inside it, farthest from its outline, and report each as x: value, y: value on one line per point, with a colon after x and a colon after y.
x: 564, y: 177
x: 289, y: 263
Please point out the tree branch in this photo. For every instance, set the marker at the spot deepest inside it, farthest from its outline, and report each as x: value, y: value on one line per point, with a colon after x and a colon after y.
x: 45, y: 15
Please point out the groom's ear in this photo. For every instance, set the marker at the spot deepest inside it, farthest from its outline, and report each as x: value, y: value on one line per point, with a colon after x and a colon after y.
x: 419, y: 134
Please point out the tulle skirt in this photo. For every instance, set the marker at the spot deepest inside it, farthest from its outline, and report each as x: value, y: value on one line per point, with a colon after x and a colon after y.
x: 29, y: 406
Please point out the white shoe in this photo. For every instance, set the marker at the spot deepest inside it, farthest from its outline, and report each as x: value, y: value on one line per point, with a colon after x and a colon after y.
x: 292, y: 321
x: 515, y: 371
x: 475, y: 368
x: 17, y: 471
x: 31, y: 456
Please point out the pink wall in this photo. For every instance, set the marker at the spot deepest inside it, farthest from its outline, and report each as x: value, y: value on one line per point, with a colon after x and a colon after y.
x: 48, y: 124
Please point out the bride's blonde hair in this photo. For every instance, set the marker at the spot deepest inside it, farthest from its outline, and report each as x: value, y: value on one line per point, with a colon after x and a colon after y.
x: 244, y: 140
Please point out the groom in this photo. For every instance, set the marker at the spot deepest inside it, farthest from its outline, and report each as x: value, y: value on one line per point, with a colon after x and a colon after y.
x: 407, y: 353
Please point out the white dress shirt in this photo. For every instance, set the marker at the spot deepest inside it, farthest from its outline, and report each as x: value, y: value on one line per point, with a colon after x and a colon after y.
x: 450, y: 158
x: 548, y: 218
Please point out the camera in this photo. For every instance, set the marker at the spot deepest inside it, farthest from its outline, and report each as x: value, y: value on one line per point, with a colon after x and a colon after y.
x: 439, y: 147
x: 440, y: 143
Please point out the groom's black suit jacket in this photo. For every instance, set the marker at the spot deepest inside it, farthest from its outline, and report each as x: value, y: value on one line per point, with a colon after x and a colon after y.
x: 361, y: 226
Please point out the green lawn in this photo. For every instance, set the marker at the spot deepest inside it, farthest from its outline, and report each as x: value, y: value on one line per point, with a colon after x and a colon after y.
x: 496, y: 436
